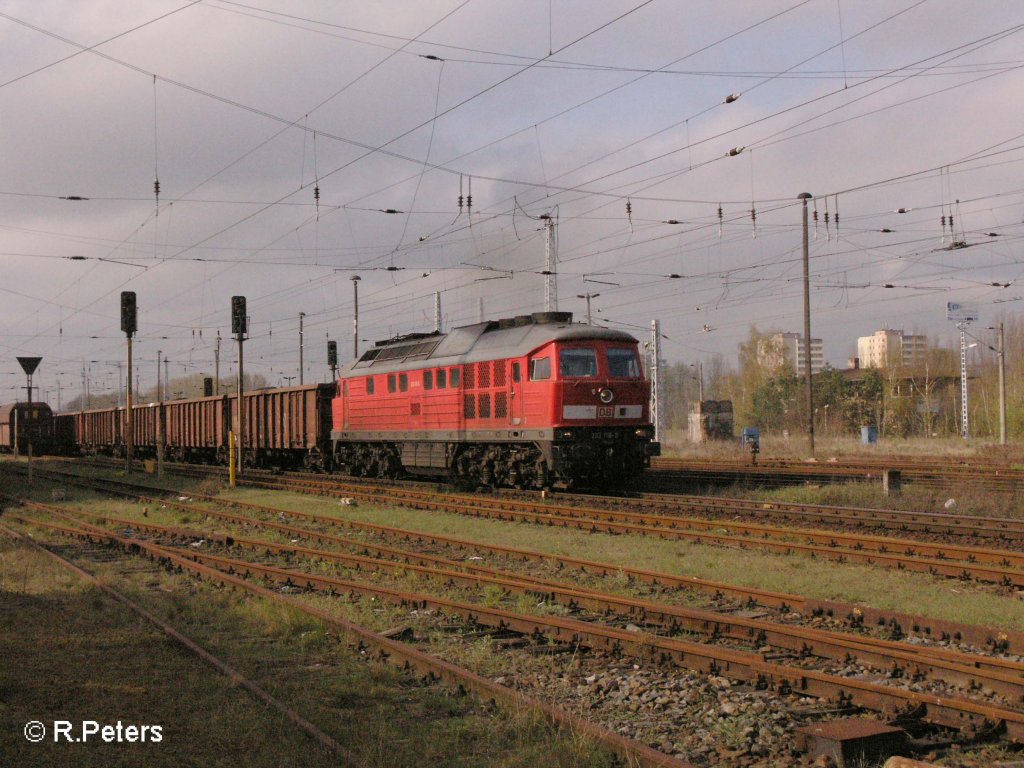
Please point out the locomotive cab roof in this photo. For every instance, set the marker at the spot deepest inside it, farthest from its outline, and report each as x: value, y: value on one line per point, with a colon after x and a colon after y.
x: 490, y: 340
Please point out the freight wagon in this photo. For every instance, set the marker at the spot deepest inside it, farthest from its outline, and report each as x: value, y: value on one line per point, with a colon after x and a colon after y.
x: 287, y: 428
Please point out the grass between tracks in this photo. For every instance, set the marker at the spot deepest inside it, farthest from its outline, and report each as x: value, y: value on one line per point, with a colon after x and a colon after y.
x: 884, y: 588
x: 965, y: 501
x: 676, y: 442
x: 71, y: 653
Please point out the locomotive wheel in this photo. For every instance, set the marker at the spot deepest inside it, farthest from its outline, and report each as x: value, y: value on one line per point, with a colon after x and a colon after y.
x: 465, y: 472
x: 362, y: 461
x: 389, y: 465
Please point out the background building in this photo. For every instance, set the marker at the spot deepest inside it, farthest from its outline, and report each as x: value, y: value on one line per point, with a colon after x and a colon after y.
x: 786, y: 351
x: 889, y: 347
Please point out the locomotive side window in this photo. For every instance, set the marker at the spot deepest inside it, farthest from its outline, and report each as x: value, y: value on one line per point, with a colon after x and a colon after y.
x: 428, y: 379
x: 369, y: 385
x: 403, y: 382
x: 516, y: 374
x: 577, y: 363
x: 623, y: 364
x: 391, y: 383
x: 344, y: 388
x: 453, y: 377
x: 540, y: 368
x: 442, y: 378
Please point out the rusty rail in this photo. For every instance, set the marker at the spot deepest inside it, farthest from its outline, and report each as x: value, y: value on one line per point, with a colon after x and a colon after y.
x: 949, y: 711
x: 955, y: 561
x: 395, y: 652
x: 236, y: 677
x: 898, y: 659
x: 857, y: 614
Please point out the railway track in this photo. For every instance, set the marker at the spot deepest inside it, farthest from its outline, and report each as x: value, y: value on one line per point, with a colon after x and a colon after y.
x: 969, y: 672
x: 998, y: 566
x: 932, y: 524
x: 896, y: 623
x: 752, y: 668
x: 1003, y: 478
x: 985, y: 564
x: 345, y: 756
x: 897, y: 659
x: 384, y: 649
x: 939, y: 526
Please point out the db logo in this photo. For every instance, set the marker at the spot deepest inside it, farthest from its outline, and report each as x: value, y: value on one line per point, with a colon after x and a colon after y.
x: 605, y: 411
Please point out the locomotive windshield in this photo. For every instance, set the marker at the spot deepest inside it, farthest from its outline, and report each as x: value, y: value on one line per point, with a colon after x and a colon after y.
x: 623, y: 364
x: 577, y: 363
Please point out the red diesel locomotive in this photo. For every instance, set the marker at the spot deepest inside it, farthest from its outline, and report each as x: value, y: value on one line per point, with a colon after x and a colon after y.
x: 532, y: 401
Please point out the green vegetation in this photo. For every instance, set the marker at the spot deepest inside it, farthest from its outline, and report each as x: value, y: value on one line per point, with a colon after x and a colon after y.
x: 902, y: 401
x: 73, y: 654
x: 889, y: 589
x: 385, y: 716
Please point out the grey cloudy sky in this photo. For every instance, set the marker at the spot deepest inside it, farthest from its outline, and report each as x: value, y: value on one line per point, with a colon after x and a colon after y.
x: 571, y: 108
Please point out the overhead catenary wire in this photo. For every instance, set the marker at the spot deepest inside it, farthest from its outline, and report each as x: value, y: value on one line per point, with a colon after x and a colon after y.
x: 641, y: 230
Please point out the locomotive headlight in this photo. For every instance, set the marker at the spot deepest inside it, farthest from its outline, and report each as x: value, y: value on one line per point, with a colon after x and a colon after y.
x: 645, y: 433
x: 563, y: 434
x: 605, y: 395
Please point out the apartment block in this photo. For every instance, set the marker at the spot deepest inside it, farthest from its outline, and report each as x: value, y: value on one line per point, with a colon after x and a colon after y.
x: 889, y: 347
x: 786, y: 350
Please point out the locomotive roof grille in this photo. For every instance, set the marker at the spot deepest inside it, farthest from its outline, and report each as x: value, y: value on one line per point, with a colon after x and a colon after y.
x: 422, y: 349
x: 406, y: 337
x: 370, y: 355
x: 489, y: 340
x: 400, y: 351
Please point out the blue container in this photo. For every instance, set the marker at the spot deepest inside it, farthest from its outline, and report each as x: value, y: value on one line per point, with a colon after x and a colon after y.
x: 868, y: 435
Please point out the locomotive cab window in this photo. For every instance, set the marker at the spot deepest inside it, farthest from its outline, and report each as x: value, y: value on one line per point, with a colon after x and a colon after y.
x: 516, y: 374
x: 577, y: 363
x: 453, y: 377
x: 540, y: 368
x: 623, y: 364
x: 442, y: 378
x: 392, y: 387
x: 369, y: 385
x: 403, y: 382
x: 428, y: 379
